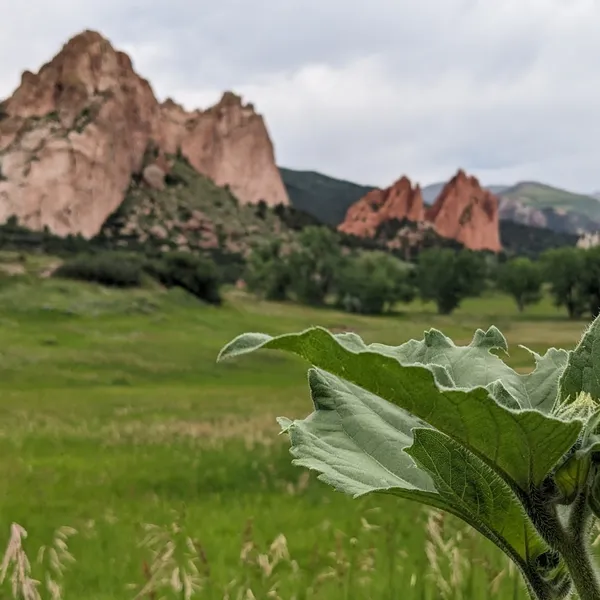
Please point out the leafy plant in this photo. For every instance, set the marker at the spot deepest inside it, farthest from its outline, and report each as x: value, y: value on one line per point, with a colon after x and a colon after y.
x: 447, y: 277
x: 564, y: 269
x: 516, y: 456
x: 267, y: 272
x: 522, y: 279
x: 116, y: 269
x: 314, y: 264
x: 590, y: 279
x: 194, y: 273
x: 372, y: 282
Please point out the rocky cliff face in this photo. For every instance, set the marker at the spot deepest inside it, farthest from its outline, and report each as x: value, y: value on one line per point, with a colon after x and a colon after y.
x: 229, y: 143
x: 513, y: 210
x: 73, y: 135
x: 463, y: 211
x: 399, y: 201
x: 467, y: 213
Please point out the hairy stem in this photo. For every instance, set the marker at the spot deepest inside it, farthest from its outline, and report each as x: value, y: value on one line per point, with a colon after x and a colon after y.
x: 583, y: 571
x: 539, y: 589
x: 576, y: 551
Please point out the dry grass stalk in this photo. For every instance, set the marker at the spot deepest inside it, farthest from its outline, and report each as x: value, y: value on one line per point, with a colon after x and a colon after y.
x: 52, y: 560
x: 447, y: 562
x: 55, y: 558
x: 260, y: 568
x: 177, y: 565
x: 16, y: 566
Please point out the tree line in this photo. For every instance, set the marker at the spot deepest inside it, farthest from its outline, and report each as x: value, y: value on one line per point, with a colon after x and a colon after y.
x: 318, y: 270
x: 321, y: 268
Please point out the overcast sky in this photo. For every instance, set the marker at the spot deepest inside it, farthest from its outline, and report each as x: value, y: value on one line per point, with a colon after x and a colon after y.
x: 367, y: 91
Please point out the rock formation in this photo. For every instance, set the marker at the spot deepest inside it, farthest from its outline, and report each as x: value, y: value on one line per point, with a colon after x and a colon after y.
x: 467, y: 213
x: 228, y: 142
x: 73, y: 135
x: 463, y: 211
x: 588, y: 240
x: 512, y: 210
x: 399, y: 201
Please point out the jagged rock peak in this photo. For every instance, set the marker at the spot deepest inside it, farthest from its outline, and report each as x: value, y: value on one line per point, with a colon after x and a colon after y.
x: 468, y: 213
x: 399, y: 201
x: 87, y: 65
x: 73, y: 135
x: 463, y: 211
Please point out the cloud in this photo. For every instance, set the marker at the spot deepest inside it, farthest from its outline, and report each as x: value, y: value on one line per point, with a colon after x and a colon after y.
x: 506, y: 90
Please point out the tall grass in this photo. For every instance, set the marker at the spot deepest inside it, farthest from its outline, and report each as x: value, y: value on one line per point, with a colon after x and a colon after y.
x: 174, y: 565
x: 113, y: 414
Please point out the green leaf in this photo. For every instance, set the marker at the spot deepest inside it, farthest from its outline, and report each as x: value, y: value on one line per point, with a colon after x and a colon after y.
x: 594, y: 497
x: 582, y: 373
x: 475, y: 365
x: 480, y: 497
x: 572, y: 475
x: 358, y: 442
x: 523, y: 446
x: 355, y: 439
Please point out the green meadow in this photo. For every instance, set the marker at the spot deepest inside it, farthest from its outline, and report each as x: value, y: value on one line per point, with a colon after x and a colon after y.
x: 117, y: 421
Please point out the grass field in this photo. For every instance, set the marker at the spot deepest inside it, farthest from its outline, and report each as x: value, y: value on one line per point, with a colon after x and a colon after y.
x: 115, y: 415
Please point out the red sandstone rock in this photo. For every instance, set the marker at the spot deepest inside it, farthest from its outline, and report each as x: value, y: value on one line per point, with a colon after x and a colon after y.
x: 72, y: 136
x: 467, y: 213
x: 399, y: 201
x: 464, y: 211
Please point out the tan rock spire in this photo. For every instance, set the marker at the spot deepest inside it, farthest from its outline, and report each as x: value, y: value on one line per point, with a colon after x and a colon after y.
x: 72, y: 135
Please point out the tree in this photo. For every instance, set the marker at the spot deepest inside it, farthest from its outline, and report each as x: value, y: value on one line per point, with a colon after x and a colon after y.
x: 590, y: 281
x: 314, y: 264
x: 522, y: 279
x: 372, y: 282
x: 447, y: 277
x: 196, y: 274
x: 267, y: 271
x: 114, y: 269
x: 261, y: 209
x: 564, y: 269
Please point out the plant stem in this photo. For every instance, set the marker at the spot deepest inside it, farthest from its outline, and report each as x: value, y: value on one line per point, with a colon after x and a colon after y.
x: 583, y: 573
x: 538, y: 589
x: 576, y: 553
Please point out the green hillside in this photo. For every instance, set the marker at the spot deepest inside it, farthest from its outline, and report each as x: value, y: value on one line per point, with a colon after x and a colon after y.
x: 325, y: 197
x: 526, y: 240
x: 543, y: 196
x: 191, y: 213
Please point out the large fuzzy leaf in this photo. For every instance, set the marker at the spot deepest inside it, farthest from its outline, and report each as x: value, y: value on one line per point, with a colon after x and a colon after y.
x: 582, y: 373
x: 474, y: 365
x: 355, y: 439
x: 481, y: 498
x: 360, y: 443
x: 523, y: 446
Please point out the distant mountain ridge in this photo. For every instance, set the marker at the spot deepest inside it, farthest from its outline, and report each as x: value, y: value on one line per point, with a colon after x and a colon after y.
x: 327, y: 198
x: 528, y: 202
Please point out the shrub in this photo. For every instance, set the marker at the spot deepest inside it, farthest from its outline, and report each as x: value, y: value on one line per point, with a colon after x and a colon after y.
x: 522, y: 279
x: 196, y: 274
x: 116, y: 269
x: 447, y: 277
x: 314, y: 264
x: 564, y: 269
x: 373, y: 282
x: 267, y: 273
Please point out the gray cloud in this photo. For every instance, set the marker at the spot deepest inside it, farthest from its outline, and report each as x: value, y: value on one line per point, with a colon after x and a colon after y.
x: 506, y: 90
